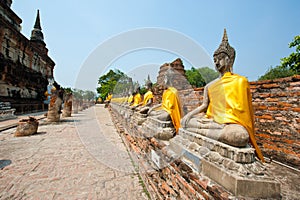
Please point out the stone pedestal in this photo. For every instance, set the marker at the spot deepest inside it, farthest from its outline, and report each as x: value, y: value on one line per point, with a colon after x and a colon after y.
x: 67, y: 111
x: 236, y: 169
x: 75, y: 107
x: 54, y: 109
x: 139, y: 118
x: 153, y: 127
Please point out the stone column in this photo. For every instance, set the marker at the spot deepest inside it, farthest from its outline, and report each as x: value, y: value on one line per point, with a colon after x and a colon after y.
x: 75, y: 106
x: 67, y: 105
x: 54, y: 108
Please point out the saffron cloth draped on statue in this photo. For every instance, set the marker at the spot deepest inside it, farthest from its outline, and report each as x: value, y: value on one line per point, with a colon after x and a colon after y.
x: 137, y: 99
x: 147, y: 97
x: 171, y: 104
x: 230, y: 102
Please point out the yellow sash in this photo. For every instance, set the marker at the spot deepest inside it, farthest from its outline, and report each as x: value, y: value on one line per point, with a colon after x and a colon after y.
x: 147, y: 97
x: 171, y: 104
x: 231, y: 102
x: 137, y: 99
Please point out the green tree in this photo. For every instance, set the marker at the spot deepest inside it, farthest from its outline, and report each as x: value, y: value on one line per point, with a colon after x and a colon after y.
x: 68, y: 90
x: 292, y: 62
x: 289, y: 65
x: 113, y: 82
x: 78, y: 93
x: 208, y: 74
x: 89, y: 95
x: 276, y: 72
x: 194, y: 77
x: 201, y: 76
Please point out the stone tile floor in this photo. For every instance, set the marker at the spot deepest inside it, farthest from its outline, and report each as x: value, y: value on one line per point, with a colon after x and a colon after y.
x: 77, y: 158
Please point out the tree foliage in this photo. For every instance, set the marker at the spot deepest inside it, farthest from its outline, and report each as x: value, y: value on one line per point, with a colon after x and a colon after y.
x: 83, y: 94
x: 115, y: 81
x: 289, y: 65
x: 89, y: 95
x: 208, y: 74
x: 292, y: 62
x: 201, y: 76
x: 276, y: 72
x: 194, y: 77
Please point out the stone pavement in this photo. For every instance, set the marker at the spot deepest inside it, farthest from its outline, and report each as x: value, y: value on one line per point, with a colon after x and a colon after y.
x: 81, y: 157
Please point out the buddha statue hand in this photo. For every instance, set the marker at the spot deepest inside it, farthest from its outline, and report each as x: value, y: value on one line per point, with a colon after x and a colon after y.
x: 152, y: 108
x: 185, y: 120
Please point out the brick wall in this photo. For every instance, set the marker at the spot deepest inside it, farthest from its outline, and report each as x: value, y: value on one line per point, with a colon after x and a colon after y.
x: 276, y: 106
x: 175, y: 180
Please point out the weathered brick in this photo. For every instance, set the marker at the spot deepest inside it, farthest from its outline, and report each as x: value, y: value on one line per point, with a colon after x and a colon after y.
x: 272, y: 99
x: 266, y: 116
x: 268, y: 86
x: 167, y: 188
x: 296, y: 109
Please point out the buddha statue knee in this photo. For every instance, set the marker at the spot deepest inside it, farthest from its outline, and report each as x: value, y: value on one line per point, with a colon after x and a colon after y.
x: 160, y: 115
x: 231, y: 134
x: 234, y: 135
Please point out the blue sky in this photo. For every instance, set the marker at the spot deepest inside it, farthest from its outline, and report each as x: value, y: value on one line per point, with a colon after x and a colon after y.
x: 260, y: 32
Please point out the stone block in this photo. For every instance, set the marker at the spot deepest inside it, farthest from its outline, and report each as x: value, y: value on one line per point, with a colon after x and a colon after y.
x: 254, y: 187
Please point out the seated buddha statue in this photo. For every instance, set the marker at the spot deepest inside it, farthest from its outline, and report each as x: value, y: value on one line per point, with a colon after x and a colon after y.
x: 137, y: 98
x: 170, y: 108
x: 147, y: 102
x: 226, y: 113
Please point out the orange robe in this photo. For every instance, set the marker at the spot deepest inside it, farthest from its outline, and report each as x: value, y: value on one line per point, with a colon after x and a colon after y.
x: 130, y: 99
x: 171, y: 104
x: 137, y: 99
x: 231, y: 102
x: 147, y: 97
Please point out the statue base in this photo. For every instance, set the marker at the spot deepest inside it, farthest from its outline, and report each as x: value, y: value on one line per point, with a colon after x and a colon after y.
x: 139, y: 118
x: 236, y: 169
x: 163, y: 130
x: 53, y: 116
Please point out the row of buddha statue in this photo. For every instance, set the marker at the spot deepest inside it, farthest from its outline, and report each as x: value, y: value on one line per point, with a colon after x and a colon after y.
x: 226, y: 114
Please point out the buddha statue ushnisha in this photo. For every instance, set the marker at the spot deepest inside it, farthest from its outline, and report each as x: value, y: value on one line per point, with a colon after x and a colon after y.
x: 226, y: 113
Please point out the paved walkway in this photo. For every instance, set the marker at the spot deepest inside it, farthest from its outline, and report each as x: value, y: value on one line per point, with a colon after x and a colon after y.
x: 81, y: 157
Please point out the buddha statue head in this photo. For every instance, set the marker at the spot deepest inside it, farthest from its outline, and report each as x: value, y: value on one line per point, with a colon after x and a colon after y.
x: 224, y: 56
x: 169, y: 76
x: 148, y: 83
x: 136, y: 88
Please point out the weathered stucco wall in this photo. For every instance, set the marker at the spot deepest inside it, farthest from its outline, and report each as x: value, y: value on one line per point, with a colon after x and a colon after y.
x: 276, y: 106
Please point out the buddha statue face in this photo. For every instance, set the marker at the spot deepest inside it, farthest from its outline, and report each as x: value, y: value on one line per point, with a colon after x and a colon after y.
x: 224, y: 56
x: 223, y: 63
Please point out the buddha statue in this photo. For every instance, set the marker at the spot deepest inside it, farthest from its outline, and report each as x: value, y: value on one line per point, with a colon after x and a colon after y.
x: 226, y: 113
x: 130, y: 98
x: 108, y: 99
x: 170, y: 108
x: 147, y: 102
x: 137, y: 98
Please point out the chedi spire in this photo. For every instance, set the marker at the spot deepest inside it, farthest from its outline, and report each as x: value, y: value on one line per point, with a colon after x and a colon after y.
x: 36, y: 33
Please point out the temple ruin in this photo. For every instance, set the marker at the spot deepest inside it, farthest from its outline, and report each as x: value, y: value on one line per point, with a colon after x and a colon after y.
x: 24, y: 63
